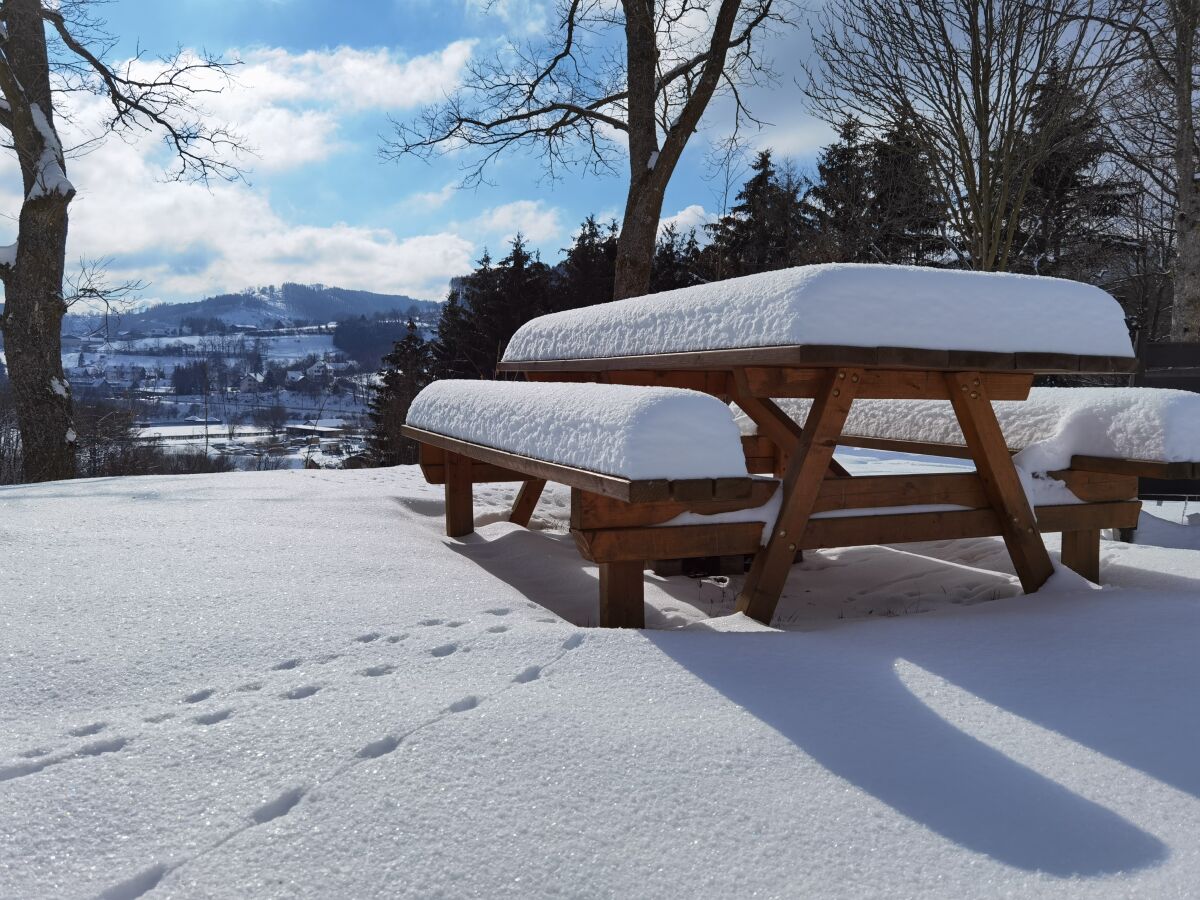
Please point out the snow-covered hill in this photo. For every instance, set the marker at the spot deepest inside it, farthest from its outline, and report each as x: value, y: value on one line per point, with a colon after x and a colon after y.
x: 290, y: 684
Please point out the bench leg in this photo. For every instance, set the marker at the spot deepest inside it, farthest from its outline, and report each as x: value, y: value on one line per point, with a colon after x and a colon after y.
x: 1081, y: 553
x: 526, y: 502
x: 460, y: 510
x: 622, y: 594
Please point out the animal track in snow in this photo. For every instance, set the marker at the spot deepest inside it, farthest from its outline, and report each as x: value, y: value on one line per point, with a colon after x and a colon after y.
x: 136, y: 885
x: 374, y: 671
x: 249, y: 686
x: 328, y: 657
x: 35, y: 753
x: 498, y: 629
x: 301, y: 692
x: 468, y: 702
x: 428, y: 623
x: 214, y: 717
x: 443, y: 650
x: 455, y: 624
x: 498, y: 611
x: 96, y: 748
x: 285, y: 665
x: 381, y: 747
x: 280, y: 806
x: 396, y: 638
x: 159, y: 717
x: 533, y: 673
x: 367, y: 638
x: 199, y: 695
x: 573, y: 641
x: 85, y: 730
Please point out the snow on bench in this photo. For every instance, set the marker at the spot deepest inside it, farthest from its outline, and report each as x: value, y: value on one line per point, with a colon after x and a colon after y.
x: 638, y: 433
x: 1051, y: 427
x: 849, y: 305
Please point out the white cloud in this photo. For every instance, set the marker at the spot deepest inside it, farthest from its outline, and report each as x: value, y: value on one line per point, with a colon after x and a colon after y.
x: 524, y: 17
x: 801, y: 137
x: 431, y: 200
x: 694, y: 216
x: 532, y: 218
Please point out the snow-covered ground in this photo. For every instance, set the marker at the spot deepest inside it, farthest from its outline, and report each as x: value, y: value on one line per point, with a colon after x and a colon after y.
x: 290, y: 684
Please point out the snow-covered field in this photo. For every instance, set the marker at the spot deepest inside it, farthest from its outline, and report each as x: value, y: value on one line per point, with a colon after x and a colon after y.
x: 290, y: 684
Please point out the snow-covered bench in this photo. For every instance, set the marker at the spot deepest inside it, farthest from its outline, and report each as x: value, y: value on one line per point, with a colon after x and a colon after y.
x: 1070, y: 445
x: 636, y: 458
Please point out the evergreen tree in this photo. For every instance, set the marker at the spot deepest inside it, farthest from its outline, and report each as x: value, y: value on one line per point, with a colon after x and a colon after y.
x: 840, y: 202
x: 767, y: 229
x: 678, y: 261
x: 586, y: 274
x: 906, y: 213
x: 406, y: 370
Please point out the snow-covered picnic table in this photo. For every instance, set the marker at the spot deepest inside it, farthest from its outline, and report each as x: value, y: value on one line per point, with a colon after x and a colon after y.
x: 830, y: 335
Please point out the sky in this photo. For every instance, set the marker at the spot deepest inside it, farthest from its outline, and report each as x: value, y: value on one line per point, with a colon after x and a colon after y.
x: 319, y: 81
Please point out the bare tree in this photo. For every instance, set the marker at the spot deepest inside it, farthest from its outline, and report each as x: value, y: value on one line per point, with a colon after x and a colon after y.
x: 576, y: 97
x: 1154, y: 112
x: 49, y: 49
x: 965, y: 76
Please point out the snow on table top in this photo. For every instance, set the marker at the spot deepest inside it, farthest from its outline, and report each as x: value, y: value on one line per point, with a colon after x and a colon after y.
x: 841, y: 305
x: 631, y: 432
x: 1049, y: 428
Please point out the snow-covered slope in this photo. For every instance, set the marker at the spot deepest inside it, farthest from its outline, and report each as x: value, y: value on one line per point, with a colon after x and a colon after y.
x: 289, y: 684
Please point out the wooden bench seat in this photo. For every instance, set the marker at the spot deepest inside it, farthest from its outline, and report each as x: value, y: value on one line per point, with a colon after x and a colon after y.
x: 618, y: 523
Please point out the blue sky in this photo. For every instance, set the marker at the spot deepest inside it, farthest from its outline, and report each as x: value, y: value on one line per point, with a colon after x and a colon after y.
x: 320, y: 79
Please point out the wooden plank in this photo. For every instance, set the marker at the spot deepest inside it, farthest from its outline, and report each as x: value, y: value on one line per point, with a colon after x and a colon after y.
x: 526, y: 502
x: 1142, y: 468
x: 922, y: 448
x: 801, y: 486
x: 622, y: 595
x: 995, y: 467
x: 904, y: 528
x: 823, y: 356
x: 886, y: 384
x: 874, y: 491
x: 1098, y: 486
x: 1081, y: 552
x: 592, y: 511
x: 460, y: 511
x: 773, y: 423
x: 670, y: 542
x: 597, y: 483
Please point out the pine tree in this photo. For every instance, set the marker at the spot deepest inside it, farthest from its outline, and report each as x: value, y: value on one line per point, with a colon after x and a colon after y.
x: 406, y: 370
x: 906, y: 213
x: 678, y: 261
x: 585, y: 276
x: 840, y: 201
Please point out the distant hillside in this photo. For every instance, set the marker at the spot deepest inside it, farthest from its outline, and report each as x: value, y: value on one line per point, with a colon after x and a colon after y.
x: 269, y: 307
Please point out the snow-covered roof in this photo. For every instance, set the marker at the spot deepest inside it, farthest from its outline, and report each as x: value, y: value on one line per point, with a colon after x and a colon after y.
x: 630, y: 432
x: 851, y: 305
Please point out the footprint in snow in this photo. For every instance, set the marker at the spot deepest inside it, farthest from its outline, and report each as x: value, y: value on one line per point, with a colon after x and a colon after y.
x: 498, y: 611
x: 199, y: 695
x: 443, y: 650
x: 533, y: 673
x: 429, y: 623
x: 136, y: 885
x: 573, y: 641
x: 468, y: 702
x: 455, y: 624
x: 301, y: 692
x: 159, y: 717
x: 396, y: 638
x: 498, y: 629
x: 85, y: 730
x: 280, y: 806
x: 214, y: 717
x: 328, y: 657
x: 381, y: 747
x: 285, y: 665
x: 375, y: 671
x: 367, y: 638
x: 249, y: 686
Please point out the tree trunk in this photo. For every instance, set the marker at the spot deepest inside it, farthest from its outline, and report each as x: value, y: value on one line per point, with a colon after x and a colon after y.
x: 32, y: 322
x: 1185, y: 315
x: 635, y: 246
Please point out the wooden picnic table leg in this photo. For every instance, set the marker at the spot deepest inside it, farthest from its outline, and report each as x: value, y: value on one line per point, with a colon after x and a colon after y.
x: 994, y: 464
x: 1081, y: 553
x: 622, y: 595
x: 773, y: 423
x: 460, y: 511
x: 801, y: 484
x: 527, y: 500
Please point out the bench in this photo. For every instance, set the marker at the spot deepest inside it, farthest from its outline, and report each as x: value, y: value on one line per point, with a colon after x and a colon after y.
x: 634, y: 458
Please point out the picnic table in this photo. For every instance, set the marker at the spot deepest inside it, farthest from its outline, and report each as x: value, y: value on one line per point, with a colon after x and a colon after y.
x: 835, y: 335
